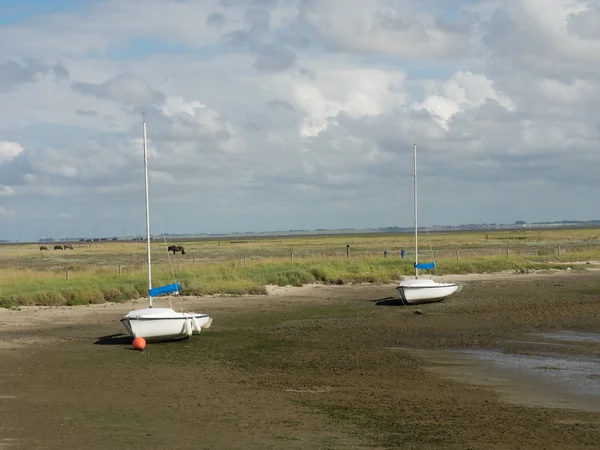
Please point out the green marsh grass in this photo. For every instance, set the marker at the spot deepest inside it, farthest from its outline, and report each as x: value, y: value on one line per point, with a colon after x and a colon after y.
x: 115, y: 271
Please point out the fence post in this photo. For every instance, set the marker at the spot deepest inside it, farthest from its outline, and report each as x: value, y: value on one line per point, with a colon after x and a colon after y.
x: 120, y: 269
x: 347, y: 250
x: 507, y: 252
x: 292, y: 256
x: 457, y: 254
x: 241, y: 262
x: 559, y: 251
x: 67, y: 274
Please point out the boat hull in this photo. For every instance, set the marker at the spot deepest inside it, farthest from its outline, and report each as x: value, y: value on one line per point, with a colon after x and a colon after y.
x: 164, y: 324
x: 414, y: 292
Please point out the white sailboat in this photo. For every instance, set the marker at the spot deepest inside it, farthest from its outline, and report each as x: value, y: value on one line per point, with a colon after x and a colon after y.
x: 422, y: 290
x: 161, y: 324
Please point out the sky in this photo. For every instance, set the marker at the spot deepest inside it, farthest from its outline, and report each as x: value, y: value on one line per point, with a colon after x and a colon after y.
x: 295, y: 114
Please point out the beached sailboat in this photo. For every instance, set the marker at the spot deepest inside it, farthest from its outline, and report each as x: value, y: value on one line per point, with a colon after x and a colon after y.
x: 422, y: 290
x: 160, y: 324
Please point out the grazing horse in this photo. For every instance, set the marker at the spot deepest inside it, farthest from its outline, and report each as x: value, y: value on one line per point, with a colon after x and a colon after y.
x: 43, y: 247
x: 57, y: 247
x: 176, y: 248
x: 67, y: 246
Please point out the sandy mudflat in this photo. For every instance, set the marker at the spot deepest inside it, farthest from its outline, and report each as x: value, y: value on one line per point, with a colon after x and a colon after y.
x: 335, y: 367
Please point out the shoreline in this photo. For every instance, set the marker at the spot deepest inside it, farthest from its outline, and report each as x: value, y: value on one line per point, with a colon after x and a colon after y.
x: 26, y: 318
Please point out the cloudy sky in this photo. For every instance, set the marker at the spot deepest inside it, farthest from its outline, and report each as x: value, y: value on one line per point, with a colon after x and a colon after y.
x: 295, y: 114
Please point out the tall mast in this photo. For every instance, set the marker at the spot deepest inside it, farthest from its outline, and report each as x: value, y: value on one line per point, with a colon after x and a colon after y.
x: 147, y: 215
x: 416, y: 222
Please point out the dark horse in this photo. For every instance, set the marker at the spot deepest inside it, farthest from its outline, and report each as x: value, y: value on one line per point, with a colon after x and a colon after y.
x: 176, y: 248
x: 43, y: 247
x: 57, y: 247
x: 68, y: 246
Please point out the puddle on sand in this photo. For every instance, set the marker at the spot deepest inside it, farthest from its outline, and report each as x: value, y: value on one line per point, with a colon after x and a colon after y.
x: 509, y: 379
x: 571, y: 336
x: 574, y: 374
x: 541, y: 379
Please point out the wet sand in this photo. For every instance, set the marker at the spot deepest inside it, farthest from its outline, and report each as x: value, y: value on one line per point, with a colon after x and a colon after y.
x: 509, y: 362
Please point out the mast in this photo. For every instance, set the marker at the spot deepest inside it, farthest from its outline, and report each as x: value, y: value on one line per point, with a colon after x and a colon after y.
x: 416, y: 222
x: 147, y: 215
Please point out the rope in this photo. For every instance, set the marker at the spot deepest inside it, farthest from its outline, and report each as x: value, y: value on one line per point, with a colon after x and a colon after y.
x: 430, y: 246
x: 431, y: 249
x: 170, y: 262
x: 137, y: 245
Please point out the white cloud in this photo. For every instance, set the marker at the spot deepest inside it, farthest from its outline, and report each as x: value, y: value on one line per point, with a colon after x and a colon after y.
x: 300, y: 113
x: 463, y: 92
x: 176, y: 105
x: 195, y: 117
x: 109, y: 23
x: 8, y: 213
x: 560, y: 92
x: 7, y: 191
x: 9, y: 151
x: 382, y: 27
x: 122, y: 88
x: 541, y: 33
x: 354, y: 91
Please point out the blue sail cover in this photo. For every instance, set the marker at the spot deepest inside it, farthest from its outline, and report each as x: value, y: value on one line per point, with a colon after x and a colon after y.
x: 164, y: 289
x: 425, y: 266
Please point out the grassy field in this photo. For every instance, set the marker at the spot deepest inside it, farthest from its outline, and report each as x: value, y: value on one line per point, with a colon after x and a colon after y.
x: 115, y: 271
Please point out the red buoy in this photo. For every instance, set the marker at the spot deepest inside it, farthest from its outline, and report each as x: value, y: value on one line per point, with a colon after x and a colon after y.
x: 139, y: 343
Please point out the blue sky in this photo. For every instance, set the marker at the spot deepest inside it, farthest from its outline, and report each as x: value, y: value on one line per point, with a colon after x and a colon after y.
x: 15, y: 11
x: 288, y: 114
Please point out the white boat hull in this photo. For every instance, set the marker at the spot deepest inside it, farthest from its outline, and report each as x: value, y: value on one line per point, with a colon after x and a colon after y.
x: 417, y: 291
x: 164, y: 324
